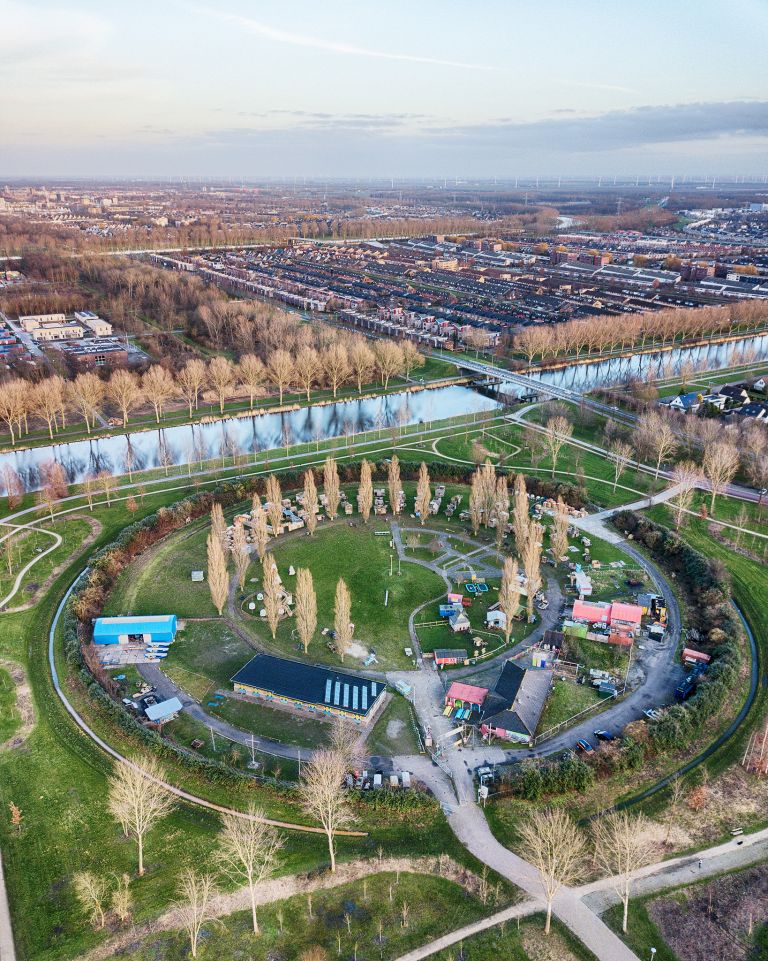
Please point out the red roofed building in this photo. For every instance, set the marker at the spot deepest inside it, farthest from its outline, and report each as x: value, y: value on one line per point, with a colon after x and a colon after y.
x: 593, y: 612
x: 626, y: 616
x: 465, y: 695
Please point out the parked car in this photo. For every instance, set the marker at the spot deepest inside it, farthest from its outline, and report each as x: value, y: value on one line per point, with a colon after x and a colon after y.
x: 585, y: 746
x: 604, y: 736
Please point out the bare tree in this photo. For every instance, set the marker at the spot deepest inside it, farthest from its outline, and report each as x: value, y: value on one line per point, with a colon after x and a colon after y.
x: 241, y: 554
x: 158, y: 387
x: 221, y: 377
x: 423, y: 494
x: 249, y: 848
x: 331, y: 487
x: 558, y: 532
x: 218, y: 575
x: 14, y: 400
x: 501, y: 508
x: 107, y: 483
x: 86, y: 392
x: 121, y: 901
x: 138, y: 799
x: 322, y: 790
x: 362, y: 361
x: 274, y: 504
x: 342, y: 619
x: 125, y: 392
x: 47, y: 401
x: 555, y: 846
x: 310, y: 501
x: 475, y: 502
x: 721, y: 461
x: 190, y: 381
x: 687, y: 476
x: 306, y: 607
x: 280, y: 370
x: 655, y: 435
x: 395, y: 486
x: 308, y: 367
x: 620, y: 454
x: 557, y: 431
x: 336, y: 366
x: 532, y: 563
x: 509, y: 594
x: 623, y: 845
x: 365, y: 490
x: 194, y: 907
x: 412, y: 358
x: 271, y: 593
x: 389, y: 360
x: 92, y: 893
x: 250, y: 373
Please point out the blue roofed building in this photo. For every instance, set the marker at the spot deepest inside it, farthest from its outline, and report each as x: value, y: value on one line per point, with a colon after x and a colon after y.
x: 155, y: 631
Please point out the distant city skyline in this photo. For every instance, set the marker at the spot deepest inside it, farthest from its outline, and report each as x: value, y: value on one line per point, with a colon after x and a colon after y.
x: 346, y: 89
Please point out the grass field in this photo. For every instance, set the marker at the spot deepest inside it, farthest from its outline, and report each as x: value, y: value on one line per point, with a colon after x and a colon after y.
x: 565, y: 700
x: 283, y: 726
x: 350, y: 920
x: 363, y: 560
x: 520, y: 942
x: 9, y: 715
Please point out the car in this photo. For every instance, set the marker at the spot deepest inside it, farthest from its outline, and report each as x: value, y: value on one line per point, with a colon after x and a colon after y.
x: 604, y: 736
x: 585, y: 746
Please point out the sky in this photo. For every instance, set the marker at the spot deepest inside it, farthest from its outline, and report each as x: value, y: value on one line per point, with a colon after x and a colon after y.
x: 393, y: 88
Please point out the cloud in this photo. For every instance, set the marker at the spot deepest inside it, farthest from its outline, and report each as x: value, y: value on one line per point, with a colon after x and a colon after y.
x: 267, y: 32
x: 29, y: 38
x: 617, y: 129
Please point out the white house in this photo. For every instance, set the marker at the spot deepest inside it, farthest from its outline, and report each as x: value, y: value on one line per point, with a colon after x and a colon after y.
x: 497, y: 619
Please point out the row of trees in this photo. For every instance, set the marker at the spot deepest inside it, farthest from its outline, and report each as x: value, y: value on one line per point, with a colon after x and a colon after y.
x: 637, y: 331
x: 51, y: 401
x: 248, y: 844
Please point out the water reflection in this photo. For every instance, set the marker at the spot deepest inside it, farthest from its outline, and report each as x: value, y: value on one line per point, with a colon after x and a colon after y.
x: 195, y: 443
x: 604, y: 373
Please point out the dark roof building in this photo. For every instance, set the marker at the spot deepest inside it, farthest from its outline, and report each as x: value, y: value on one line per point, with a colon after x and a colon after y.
x: 322, y: 690
x: 514, y: 707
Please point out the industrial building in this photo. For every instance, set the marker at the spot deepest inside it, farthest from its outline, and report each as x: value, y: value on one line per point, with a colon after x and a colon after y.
x: 154, y: 632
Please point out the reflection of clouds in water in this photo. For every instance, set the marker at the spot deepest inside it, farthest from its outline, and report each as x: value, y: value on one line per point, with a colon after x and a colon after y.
x: 202, y: 442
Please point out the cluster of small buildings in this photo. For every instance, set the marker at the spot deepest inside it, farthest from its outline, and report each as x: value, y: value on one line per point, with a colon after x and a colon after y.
x: 727, y: 399
x: 47, y: 327
x: 511, y: 710
x: 84, y: 339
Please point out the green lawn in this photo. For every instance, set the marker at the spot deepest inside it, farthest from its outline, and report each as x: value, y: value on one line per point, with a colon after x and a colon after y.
x: 9, y: 715
x: 566, y: 700
x: 363, y: 560
x: 270, y: 722
x: 204, y: 656
x: 393, y: 732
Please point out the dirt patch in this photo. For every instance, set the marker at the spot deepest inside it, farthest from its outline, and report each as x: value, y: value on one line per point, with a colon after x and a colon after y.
x: 715, y: 921
x: 356, y: 649
x: 551, y: 948
x: 24, y: 704
x: 395, y: 728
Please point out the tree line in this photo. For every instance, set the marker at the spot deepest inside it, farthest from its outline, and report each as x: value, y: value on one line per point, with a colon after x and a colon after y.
x: 636, y: 331
x: 54, y: 401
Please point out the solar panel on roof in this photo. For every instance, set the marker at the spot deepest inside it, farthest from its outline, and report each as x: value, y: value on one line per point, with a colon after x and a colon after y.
x: 364, y: 693
x: 328, y: 685
x: 346, y: 695
x: 355, y: 692
x: 373, y: 688
x: 336, y: 692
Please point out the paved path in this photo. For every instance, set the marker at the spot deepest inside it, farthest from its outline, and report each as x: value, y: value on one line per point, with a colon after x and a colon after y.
x: 7, y: 948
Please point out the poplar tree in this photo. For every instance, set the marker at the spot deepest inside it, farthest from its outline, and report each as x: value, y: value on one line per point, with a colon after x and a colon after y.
x: 274, y: 504
x: 342, y: 622
x: 306, y: 607
x: 395, y: 487
x: 310, y: 501
x: 218, y: 577
x: 271, y: 593
x: 365, y: 491
x: 331, y: 487
x: 240, y: 553
x: 423, y: 493
x: 509, y: 594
